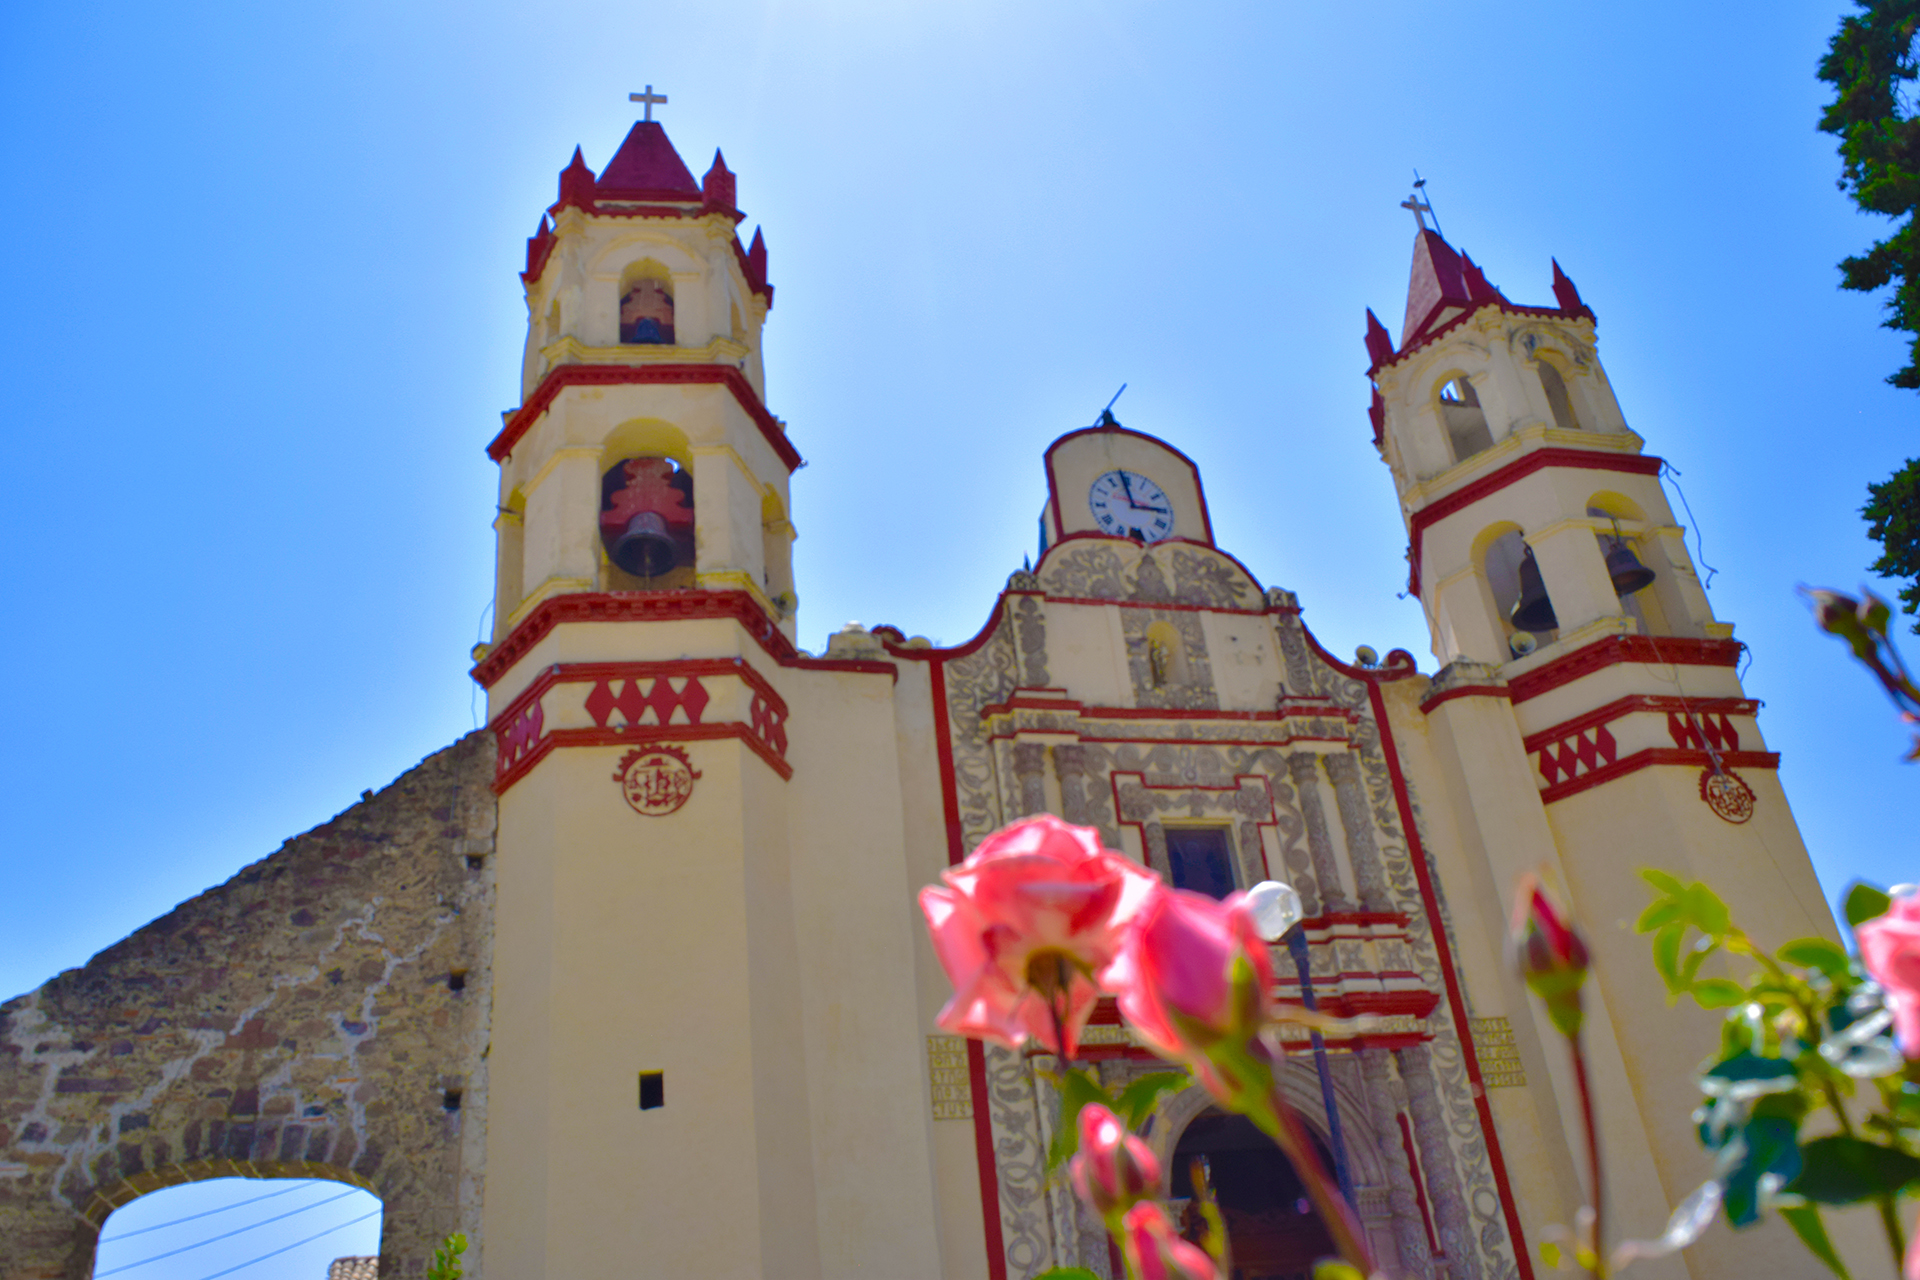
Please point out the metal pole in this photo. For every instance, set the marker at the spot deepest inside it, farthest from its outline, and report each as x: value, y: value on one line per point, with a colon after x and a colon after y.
x: 1297, y: 946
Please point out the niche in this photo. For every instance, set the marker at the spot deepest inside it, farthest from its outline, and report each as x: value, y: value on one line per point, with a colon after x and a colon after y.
x: 646, y: 305
x: 646, y: 524
x: 1166, y: 657
x: 1465, y: 420
x: 1557, y: 398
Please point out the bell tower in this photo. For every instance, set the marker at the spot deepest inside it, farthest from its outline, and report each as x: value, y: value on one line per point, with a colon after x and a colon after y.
x: 1588, y: 714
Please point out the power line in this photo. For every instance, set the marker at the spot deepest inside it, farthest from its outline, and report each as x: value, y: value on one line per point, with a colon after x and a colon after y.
x: 295, y: 1245
x: 237, y: 1204
x: 210, y: 1239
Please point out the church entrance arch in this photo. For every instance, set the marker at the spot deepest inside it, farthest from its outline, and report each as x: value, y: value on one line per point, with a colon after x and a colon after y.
x: 215, y: 1216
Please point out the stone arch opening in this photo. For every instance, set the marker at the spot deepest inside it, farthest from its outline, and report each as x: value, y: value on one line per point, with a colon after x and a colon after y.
x: 1462, y: 416
x: 646, y: 520
x: 296, y: 1219
x: 1512, y: 576
x: 1273, y: 1228
x: 646, y: 304
x: 1558, y: 401
x: 1622, y: 526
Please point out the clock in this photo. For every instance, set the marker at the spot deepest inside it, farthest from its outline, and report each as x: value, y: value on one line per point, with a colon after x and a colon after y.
x: 1128, y: 505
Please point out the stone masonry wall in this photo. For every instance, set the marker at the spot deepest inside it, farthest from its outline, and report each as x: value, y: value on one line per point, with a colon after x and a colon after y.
x: 300, y: 1020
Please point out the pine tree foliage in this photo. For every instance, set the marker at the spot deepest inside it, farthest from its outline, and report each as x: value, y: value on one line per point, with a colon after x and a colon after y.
x: 1893, y: 520
x: 1871, y: 63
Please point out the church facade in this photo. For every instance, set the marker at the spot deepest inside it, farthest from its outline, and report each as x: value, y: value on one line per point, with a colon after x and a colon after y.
x: 632, y: 982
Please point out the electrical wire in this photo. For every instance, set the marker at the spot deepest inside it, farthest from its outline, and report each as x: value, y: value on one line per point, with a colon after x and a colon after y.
x: 237, y: 1204
x: 1670, y: 472
x: 295, y: 1245
x: 211, y: 1239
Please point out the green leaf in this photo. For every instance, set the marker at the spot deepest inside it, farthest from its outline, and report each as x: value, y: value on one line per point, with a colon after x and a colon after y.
x: 1815, y: 953
x: 1666, y: 956
x: 1077, y: 1089
x: 1659, y: 913
x: 1708, y: 913
x: 1843, y: 1170
x: 1864, y: 902
x: 1805, y: 1221
x: 1138, y: 1098
x: 1718, y: 993
x: 1770, y: 1148
x: 1066, y: 1273
x: 1662, y: 881
x: 1748, y: 1075
x: 1334, y: 1269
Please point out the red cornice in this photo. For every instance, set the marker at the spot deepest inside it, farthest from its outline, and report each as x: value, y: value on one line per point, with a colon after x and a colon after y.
x: 579, y: 672
x: 1473, y: 308
x: 1654, y: 756
x: 659, y: 606
x: 1658, y: 703
x: 1519, y: 469
x: 1500, y: 691
x: 1612, y: 650
x: 563, y: 376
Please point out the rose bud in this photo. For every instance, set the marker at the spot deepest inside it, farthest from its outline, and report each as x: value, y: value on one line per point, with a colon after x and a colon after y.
x: 1113, y: 1168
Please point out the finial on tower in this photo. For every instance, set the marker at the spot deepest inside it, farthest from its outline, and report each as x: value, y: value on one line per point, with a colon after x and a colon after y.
x: 649, y: 98
x: 1421, y: 208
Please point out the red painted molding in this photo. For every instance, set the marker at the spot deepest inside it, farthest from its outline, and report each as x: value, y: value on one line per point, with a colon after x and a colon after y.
x: 1165, y: 713
x: 563, y: 376
x: 633, y: 736
x: 1500, y: 691
x: 1519, y: 469
x: 1419, y: 1182
x: 1456, y: 1002
x: 1638, y: 702
x: 1509, y: 308
x: 581, y: 672
x: 1657, y: 756
x: 660, y: 606
x: 1612, y: 650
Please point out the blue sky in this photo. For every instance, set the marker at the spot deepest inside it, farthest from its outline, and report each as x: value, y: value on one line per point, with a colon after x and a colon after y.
x: 265, y: 316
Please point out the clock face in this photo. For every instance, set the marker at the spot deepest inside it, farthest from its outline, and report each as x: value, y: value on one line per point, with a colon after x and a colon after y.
x: 1129, y: 505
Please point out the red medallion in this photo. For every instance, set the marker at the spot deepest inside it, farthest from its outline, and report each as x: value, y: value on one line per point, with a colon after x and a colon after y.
x: 1726, y: 794
x: 656, y: 780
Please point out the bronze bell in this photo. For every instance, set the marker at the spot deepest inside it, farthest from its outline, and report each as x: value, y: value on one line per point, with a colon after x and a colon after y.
x: 1533, y: 611
x: 646, y: 549
x: 1624, y: 567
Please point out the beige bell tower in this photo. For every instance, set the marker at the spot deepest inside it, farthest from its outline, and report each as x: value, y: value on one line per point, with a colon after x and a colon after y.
x: 1588, y: 714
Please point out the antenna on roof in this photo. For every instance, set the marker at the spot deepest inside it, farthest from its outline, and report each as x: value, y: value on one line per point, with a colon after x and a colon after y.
x: 1106, y: 418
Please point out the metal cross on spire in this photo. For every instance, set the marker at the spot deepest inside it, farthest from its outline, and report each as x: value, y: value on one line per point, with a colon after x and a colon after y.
x: 1420, y: 208
x: 649, y: 98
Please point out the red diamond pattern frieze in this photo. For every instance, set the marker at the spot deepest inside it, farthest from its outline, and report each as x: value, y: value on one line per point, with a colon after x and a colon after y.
x: 1577, y: 754
x: 770, y: 723
x: 636, y: 697
x: 520, y: 735
x: 1716, y: 730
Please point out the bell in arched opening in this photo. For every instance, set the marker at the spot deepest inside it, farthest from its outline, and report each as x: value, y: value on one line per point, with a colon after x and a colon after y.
x: 1533, y: 611
x: 646, y: 516
x: 1624, y: 567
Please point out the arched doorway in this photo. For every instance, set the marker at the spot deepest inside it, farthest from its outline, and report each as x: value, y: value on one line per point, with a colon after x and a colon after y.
x: 243, y: 1228
x: 1271, y: 1227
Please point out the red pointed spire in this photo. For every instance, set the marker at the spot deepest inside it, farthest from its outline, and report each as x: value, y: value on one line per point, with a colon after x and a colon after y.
x: 1478, y: 290
x: 576, y: 184
x: 1566, y: 295
x: 1437, y: 291
x: 1377, y: 411
x: 757, y: 263
x: 1379, y: 341
x: 647, y: 168
x: 717, y: 188
x: 539, y: 249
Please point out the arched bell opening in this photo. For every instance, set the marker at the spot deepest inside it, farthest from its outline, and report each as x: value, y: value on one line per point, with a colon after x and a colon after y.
x: 1272, y: 1226
x: 244, y: 1226
x: 1522, y: 609
x: 1464, y: 419
x: 776, y: 553
x: 646, y: 525
x: 509, y: 583
x: 646, y: 305
x: 1558, y: 400
x: 1636, y: 565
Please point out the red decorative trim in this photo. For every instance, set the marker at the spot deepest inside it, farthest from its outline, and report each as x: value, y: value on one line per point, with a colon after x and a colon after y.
x: 660, y: 606
x: 1633, y: 702
x: 983, y: 1154
x: 1419, y: 1183
x: 1053, y: 486
x: 563, y: 376
x: 618, y: 737
x: 1513, y: 472
x: 1655, y: 756
x: 1612, y: 650
x: 1432, y: 700
x: 1456, y: 1003
x: 1163, y: 713
x: 1474, y: 307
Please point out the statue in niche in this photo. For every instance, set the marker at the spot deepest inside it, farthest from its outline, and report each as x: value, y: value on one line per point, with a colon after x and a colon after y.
x: 1159, y: 660
x: 646, y: 313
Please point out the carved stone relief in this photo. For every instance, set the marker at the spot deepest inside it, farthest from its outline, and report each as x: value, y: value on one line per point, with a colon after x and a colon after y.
x: 1150, y: 686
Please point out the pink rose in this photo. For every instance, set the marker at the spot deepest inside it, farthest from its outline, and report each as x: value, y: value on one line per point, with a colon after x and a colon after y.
x: 1155, y: 1252
x: 1024, y: 924
x: 1890, y: 950
x: 1549, y: 953
x: 1175, y: 978
x: 1113, y: 1169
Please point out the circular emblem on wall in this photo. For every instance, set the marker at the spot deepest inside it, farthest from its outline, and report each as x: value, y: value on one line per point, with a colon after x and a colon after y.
x: 656, y: 780
x: 1726, y: 794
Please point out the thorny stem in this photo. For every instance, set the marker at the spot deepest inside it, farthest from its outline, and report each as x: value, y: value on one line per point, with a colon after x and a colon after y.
x: 1597, y: 1191
x: 1279, y: 1122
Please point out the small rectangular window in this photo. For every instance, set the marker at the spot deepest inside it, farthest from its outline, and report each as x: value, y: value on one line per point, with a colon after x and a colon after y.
x: 1201, y: 859
x: 653, y: 1090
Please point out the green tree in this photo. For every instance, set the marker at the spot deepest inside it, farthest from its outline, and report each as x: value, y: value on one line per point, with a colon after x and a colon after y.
x: 1871, y: 65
